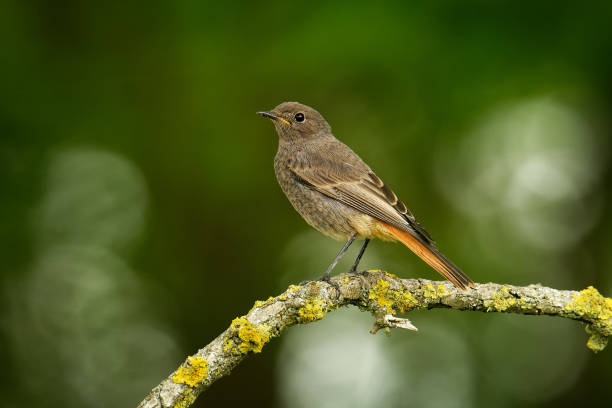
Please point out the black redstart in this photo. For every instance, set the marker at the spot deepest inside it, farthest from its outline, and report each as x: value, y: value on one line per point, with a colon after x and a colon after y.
x: 339, y: 195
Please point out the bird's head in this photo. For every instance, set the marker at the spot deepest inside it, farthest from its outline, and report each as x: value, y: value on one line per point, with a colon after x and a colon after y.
x: 294, y: 121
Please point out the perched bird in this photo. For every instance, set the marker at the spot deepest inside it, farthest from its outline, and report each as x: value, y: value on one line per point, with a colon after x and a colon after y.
x: 340, y: 196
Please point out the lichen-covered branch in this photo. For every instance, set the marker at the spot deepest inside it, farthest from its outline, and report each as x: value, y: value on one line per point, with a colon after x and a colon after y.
x: 382, y: 294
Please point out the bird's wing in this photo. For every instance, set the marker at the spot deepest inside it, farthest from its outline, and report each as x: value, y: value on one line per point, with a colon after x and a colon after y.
x: 342, y: 175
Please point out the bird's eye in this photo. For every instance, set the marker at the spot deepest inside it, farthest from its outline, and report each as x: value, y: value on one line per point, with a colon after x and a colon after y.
x: 299, y: 117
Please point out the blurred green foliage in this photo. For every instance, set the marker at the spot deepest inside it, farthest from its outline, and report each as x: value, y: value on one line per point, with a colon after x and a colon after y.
x: 140, y: 213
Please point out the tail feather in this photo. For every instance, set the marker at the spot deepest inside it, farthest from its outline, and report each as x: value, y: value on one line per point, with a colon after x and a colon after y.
x: 432, y: 257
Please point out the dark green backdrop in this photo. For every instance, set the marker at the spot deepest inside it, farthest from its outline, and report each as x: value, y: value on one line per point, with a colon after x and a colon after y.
x: 140, y: 213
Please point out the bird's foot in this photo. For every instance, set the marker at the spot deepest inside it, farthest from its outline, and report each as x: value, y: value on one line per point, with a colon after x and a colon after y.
x: 306, y: 282
x: 327, y: 279
x: 363, y: 272
x: 324, y: 278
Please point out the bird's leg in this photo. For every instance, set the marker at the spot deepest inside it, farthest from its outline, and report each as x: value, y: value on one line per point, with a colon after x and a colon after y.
x: 325, y: 276
x: 361, y: 251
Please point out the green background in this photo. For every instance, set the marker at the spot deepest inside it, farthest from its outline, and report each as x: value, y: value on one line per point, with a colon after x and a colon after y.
x: 140, y: 213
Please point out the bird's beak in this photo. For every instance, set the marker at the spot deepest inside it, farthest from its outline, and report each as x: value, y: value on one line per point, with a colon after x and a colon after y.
x: 272, y: 116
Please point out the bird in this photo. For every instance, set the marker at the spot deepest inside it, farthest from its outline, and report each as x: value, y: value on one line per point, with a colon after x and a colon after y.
x: 338, y: 194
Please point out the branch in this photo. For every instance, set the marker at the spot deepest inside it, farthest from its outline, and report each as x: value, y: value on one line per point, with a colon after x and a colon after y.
x: 384, y: 295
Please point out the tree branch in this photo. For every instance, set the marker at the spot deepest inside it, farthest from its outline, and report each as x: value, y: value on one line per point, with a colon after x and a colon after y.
x: 384, y: 295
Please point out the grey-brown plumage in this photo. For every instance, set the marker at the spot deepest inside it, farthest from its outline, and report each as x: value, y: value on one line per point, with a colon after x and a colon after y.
x: 339, y: 195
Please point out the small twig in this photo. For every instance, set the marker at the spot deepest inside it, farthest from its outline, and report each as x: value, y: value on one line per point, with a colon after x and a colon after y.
x: 384, y: 295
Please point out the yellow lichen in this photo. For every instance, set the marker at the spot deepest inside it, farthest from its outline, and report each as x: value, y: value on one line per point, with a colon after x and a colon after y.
x: 596, y: 341
x: 442, y: 291
x: 591, y: 305
x: 312, y: 310
x: 429, y: 292
x: 387, y: 298
x: 374, y: 270
x: 390, y: 274
x: 501, y: 301
x: 292, y: 288
x: 404, y: 300
x: 379, y: 293
x: 228, y: 344
x: 186, y: 400
x: 253, y: 336
x: 434, y: 293
x: 346, y: 279
x: 192, y: 372
x: 260, y: 303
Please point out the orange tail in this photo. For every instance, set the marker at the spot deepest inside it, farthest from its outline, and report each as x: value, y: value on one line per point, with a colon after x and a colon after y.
x: 430, y: 254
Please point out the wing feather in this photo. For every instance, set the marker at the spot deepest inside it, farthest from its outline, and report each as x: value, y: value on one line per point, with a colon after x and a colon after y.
x: 342, y: 175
